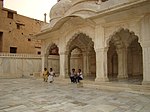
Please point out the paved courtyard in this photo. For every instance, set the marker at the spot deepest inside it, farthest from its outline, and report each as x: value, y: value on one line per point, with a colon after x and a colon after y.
x: 30, y: 95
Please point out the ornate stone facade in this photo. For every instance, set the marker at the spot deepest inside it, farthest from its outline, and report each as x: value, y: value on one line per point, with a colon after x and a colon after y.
x: 108, y: 40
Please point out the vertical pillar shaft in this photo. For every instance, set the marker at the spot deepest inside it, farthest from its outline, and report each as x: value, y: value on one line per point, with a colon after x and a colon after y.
x: 122, y: 63
x: 85, y: 64
x: 101, y: 65
x: 145, y: 33
x: 44, y: 61
x: 88, y: 69
x: 101, y: 54
x: 62, y: 65
x: 146, y: 66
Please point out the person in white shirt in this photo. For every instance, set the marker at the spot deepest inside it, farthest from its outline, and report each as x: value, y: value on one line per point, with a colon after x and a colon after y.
x: 79, y: 76
x: 51, y: 75
x: 72, y: 76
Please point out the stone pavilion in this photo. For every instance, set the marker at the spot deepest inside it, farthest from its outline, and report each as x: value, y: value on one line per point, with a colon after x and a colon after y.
x: 108, y: 39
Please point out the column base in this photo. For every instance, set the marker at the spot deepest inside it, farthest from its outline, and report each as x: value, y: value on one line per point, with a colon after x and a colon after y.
x: 122, y: 77
x: 61, y: 76
x: 146, y: 83
x: 101, y: 79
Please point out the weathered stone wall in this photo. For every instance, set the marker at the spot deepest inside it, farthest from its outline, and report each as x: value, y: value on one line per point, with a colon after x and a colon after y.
x: 19, y: 32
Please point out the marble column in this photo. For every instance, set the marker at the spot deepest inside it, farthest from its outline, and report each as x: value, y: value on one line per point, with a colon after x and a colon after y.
x: 146, y: 65
x: 145, y: 35
x: 130, y: 63
x: 85, y: 64
x: 101, y: 53
x: 44, y: 61
x: 101, y: 65
x: 63, y: 65
x: 122, y: 63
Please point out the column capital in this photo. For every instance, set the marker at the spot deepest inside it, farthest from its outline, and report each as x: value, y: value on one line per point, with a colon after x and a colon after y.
x: 145, y: 44
x: 101, y: 49
x: 63, y: 53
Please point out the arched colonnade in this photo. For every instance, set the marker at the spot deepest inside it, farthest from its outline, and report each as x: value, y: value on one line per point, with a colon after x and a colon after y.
x: 119, y: 57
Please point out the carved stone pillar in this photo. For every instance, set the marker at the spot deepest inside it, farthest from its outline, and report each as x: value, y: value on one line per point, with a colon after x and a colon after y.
x: 63, y: 65
x: 85, y: 64
x: 101, y: 65
x: 145, y: 34
x: 44, y: 62
x: 88, y: 69
x: 146, y: 65
x: 122, y: 63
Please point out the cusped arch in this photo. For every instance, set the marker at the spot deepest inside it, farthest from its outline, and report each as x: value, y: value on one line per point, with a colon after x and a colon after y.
x: 76, y: 47
x: 69, y: 43
x: 116, y: 38
x: 50, y: 47
x: 79, y: 45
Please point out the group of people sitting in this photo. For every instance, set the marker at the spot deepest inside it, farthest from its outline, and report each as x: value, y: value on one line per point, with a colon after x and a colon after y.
x: 48, y: 75
x: 76, y: 77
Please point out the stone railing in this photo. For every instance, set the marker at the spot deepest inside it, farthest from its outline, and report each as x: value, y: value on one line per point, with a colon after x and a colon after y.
x: 14, y: 55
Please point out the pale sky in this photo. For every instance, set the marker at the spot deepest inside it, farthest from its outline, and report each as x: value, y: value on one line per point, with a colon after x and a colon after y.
x: 31, y: 8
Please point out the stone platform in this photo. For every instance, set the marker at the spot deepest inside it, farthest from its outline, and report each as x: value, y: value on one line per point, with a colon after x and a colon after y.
x: 34, y: 95
x: 123, y: 85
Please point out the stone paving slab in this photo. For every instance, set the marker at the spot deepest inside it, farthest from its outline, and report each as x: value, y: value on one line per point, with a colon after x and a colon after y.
x: 30, y: 95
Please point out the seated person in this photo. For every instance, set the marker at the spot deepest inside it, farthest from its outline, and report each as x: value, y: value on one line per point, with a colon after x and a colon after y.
x: 79, y: 76
x: 72, y: 76
x: 51, y: 75
x: 45, y: 74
